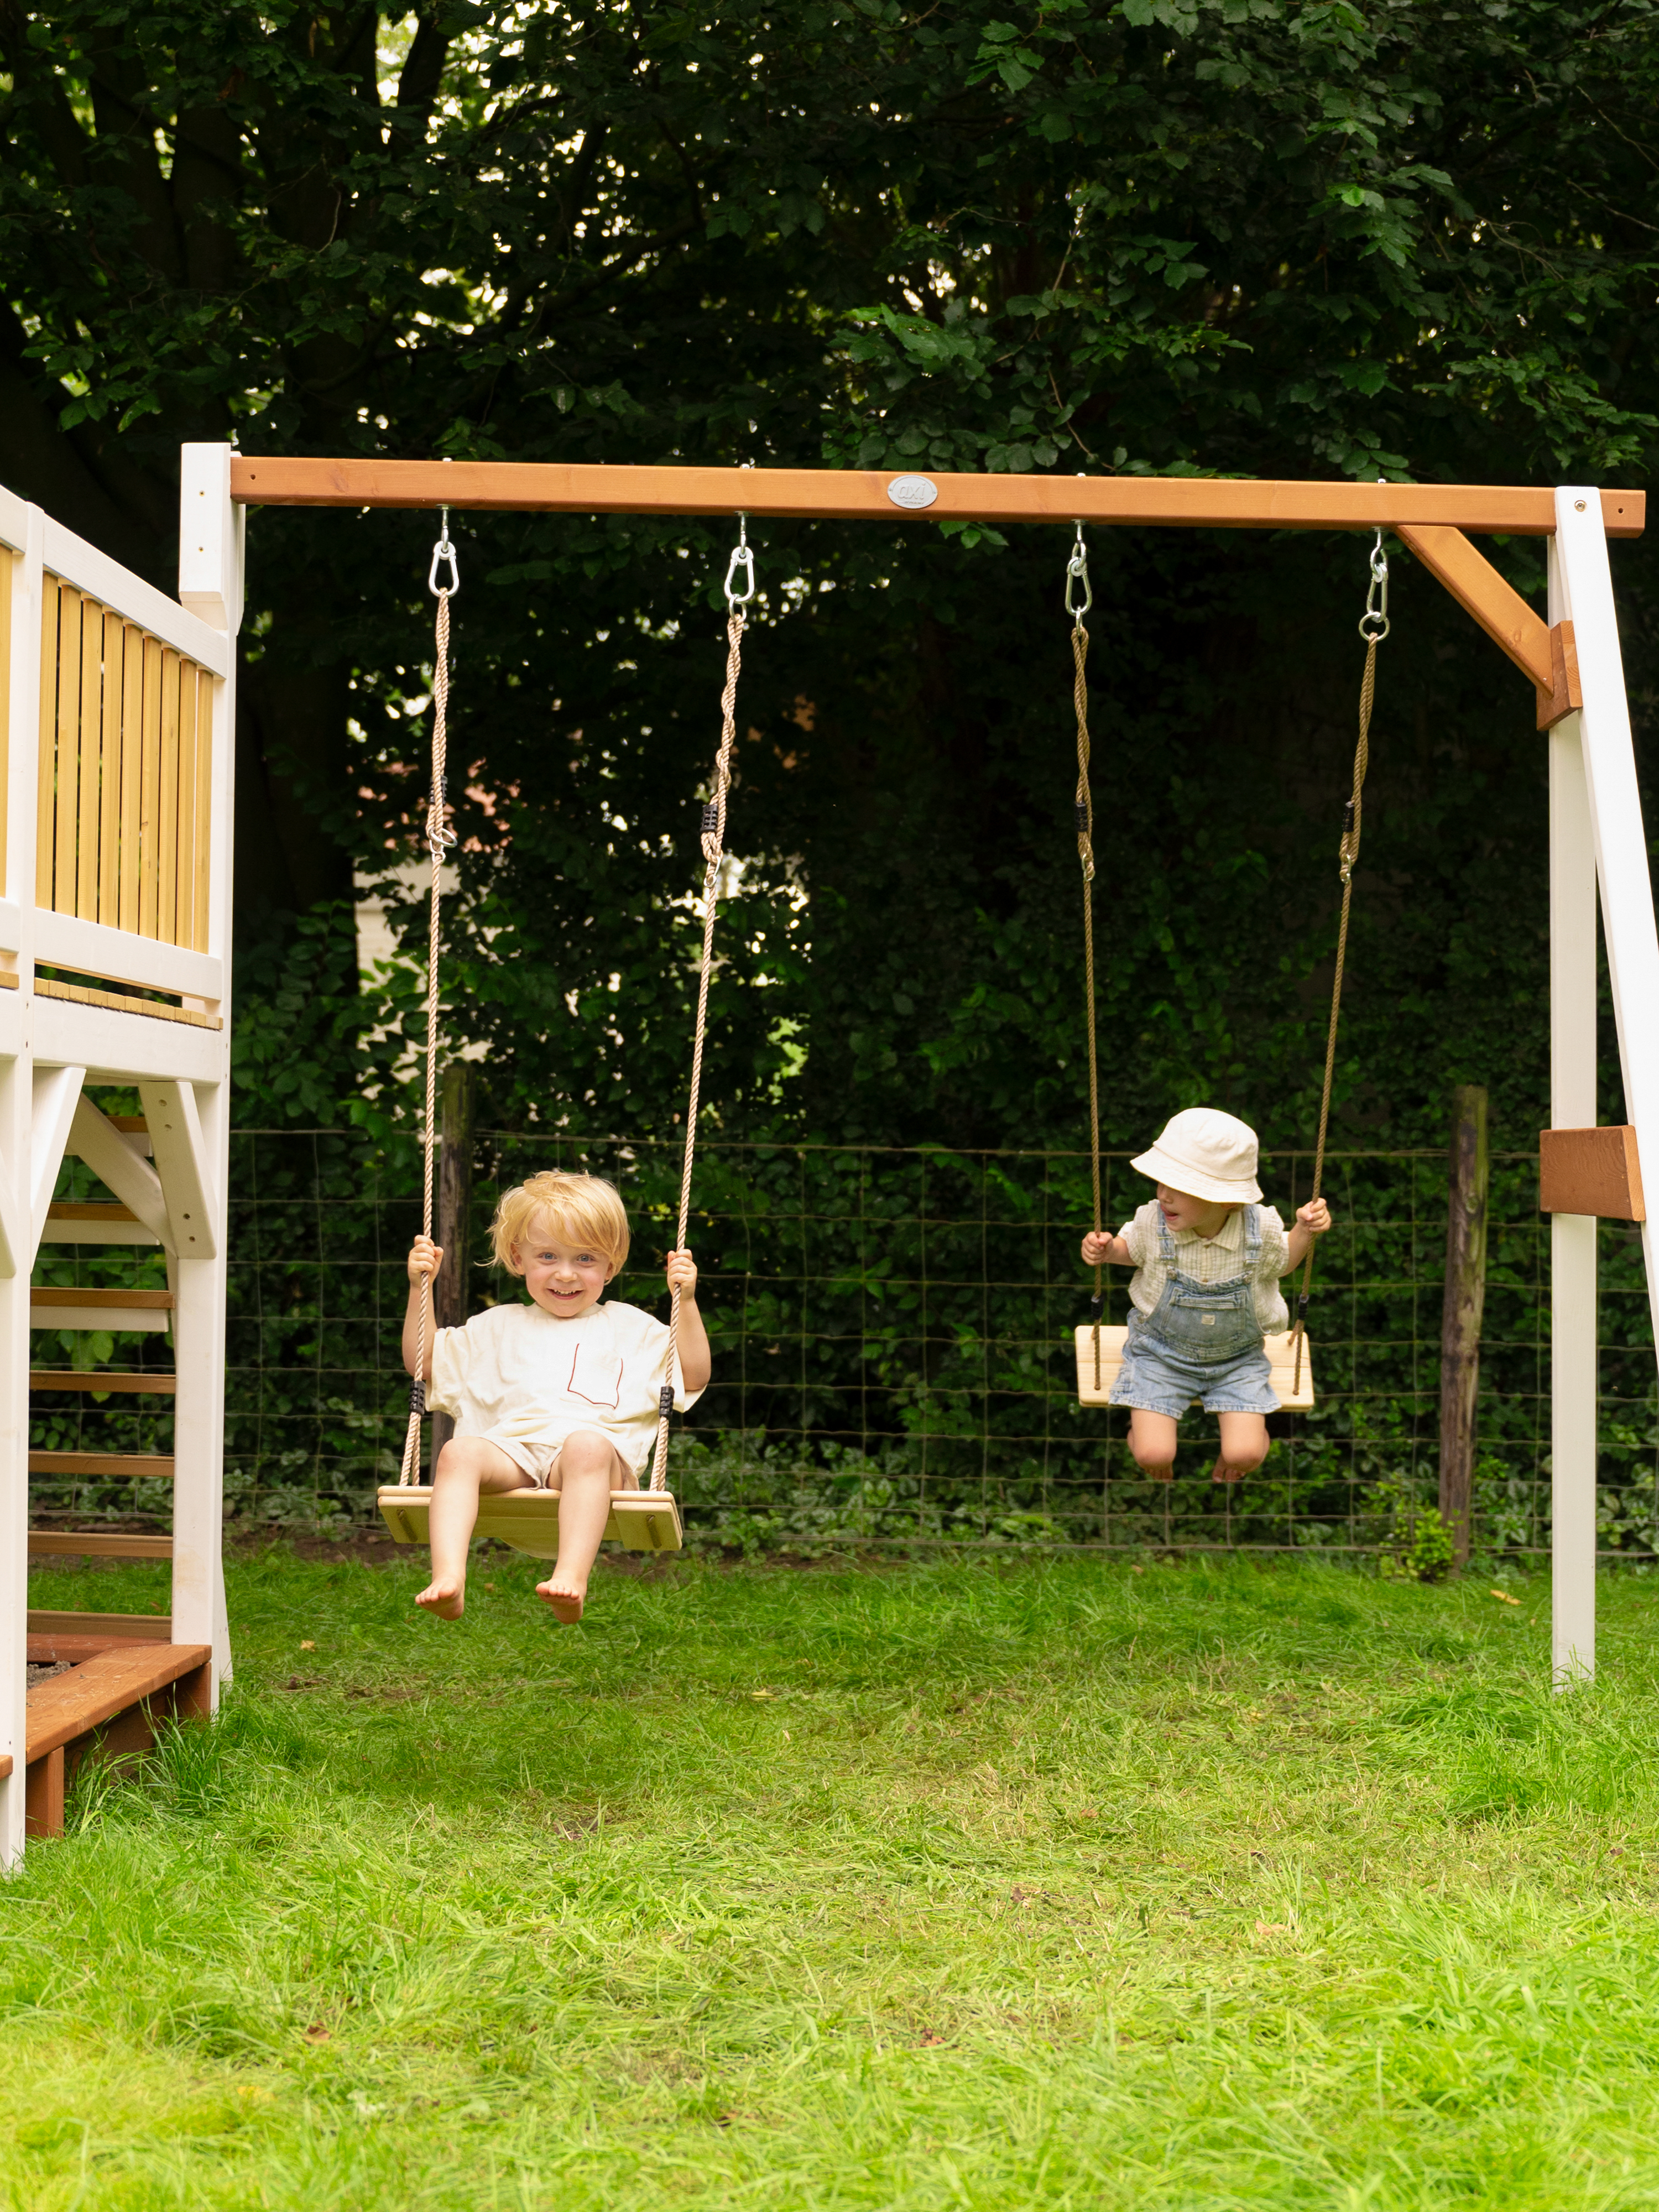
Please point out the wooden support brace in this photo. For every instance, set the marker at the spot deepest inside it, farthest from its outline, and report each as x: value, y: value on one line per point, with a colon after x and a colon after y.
x: 1591, y: 1171
x: 181, y: 1162
x: 1543, y: 652
x: 42, y: 1794
x: 57, y: 1103
x: 116, y: 1160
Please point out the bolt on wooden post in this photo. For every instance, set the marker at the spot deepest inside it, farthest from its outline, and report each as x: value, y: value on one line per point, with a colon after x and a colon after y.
x: 1464, y: 1303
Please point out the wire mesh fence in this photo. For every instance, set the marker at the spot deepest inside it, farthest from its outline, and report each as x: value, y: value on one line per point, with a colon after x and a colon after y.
x: 892, y: 1343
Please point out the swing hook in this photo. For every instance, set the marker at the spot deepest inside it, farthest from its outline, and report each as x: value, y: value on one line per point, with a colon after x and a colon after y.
x: 1374, y: 622
x: 1077, y: 572
x: 744, y: 558
x: 443, y: 550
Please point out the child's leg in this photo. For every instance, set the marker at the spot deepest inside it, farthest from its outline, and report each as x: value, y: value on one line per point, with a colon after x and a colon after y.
x: 1244, y: 1446
x: 584, y: 1473
x: 1152, y: 1441
x: 465, y: 1465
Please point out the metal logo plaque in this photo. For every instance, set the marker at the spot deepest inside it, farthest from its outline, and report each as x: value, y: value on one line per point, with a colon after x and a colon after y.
x: 913, y: 492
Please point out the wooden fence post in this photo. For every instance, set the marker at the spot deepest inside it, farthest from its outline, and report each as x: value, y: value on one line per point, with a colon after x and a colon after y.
x: 1466, y: 1299
x: 449, y: 1292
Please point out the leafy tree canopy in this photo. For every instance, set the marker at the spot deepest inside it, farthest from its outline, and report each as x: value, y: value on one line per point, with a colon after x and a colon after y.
x: 1237, y: 235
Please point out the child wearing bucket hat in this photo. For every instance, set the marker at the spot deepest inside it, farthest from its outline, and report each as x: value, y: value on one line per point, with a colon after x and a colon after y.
x: 1207, y: 1256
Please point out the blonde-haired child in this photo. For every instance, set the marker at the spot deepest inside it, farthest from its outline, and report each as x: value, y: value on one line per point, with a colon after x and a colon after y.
x: 1207, y: 1257
x: 560, y: 1394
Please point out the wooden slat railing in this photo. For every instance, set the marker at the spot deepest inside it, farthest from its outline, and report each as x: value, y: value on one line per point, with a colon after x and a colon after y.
x: 125, y: 764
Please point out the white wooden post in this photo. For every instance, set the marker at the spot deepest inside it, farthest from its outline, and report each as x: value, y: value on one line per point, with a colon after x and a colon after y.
x: 1572, y: 1236
x: 211, y: 540
x: 22, y: 547
x: 1599, y: 803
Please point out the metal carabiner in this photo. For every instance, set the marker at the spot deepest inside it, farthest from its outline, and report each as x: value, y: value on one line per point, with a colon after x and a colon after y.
x: 443, y: 550
x: 1374, y: 622
x: 742, y: 558
x: 1077, y: 571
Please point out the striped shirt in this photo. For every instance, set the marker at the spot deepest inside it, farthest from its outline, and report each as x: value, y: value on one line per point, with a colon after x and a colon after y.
x: 1218, y: 1259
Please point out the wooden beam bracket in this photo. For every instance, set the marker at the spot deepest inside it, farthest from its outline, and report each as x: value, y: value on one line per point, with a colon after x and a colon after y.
x: 1591, y: 1171
x: 1566, y: 696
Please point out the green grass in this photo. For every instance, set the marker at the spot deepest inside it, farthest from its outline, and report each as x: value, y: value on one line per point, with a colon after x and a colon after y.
x: 1049, y: 1883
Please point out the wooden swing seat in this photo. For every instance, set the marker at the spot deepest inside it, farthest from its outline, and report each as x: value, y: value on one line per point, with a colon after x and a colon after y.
x: 1280, y: 1349
x: 528, y: 1520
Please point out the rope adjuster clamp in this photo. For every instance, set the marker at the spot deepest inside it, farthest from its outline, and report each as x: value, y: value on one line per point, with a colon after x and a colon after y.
x: 443, y: 550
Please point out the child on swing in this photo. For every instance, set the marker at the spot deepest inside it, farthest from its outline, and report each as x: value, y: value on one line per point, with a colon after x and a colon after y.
x: 1207, y: 1257
x: 560, y: 1394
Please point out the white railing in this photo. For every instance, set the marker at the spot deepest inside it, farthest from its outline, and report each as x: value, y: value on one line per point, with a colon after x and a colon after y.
x: 126, y: 716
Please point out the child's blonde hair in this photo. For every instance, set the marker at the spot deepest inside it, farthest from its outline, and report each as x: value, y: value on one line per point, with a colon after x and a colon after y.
x: 583, y: 1207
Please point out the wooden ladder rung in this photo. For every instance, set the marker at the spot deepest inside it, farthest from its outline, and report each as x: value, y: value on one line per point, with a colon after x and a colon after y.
x: 149, y: 1466
x: 61, y: 1307
x: 98, y: 1544
x: 94, y: 1378
x: 91, y: 1221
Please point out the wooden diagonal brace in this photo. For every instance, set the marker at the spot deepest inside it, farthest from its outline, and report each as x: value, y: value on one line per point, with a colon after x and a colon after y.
x: 1546, y: 655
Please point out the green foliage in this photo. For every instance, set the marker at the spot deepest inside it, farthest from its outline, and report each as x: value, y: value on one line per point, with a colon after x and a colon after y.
x: 1169, y: 235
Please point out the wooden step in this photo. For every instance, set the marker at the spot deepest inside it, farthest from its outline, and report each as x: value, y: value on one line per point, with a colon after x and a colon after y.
x: 107, y: 1628
x: 45, y: 1650
x: 151, y: 1467
x: 108, y: 1706
x: 90, y: 1221
x: 97, y: 1544
x: 125, y: 1310
x: 97, y: 1378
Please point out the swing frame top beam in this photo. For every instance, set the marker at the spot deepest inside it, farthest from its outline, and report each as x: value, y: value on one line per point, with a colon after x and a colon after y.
x: 870, y: 494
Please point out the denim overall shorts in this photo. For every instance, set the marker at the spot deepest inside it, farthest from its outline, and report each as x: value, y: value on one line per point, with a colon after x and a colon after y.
x: 1201, y: 1341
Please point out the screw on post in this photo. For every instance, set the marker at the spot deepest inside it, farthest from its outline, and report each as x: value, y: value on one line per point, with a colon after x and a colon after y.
x: 1077, y: 572
x: 744, y: 558
x: 443, y: 550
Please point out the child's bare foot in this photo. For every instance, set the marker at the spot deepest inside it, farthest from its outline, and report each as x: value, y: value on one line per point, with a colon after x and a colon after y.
x: 447, y: 1600
x: 566, y: 1600
x: 1222, y: 1473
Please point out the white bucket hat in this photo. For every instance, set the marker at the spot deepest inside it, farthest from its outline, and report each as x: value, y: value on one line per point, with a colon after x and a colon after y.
x: 1206, y: 1154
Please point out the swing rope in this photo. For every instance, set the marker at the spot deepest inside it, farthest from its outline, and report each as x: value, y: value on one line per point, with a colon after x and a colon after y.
x: 714, y: 833
x: 1373, y: 627
x: 439, y: 838
x: 1077, y: 572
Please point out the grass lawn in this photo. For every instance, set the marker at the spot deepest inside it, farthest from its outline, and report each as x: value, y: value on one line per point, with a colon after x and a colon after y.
x: 1046, y: 1883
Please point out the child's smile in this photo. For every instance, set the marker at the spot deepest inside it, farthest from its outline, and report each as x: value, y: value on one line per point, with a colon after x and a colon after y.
x: 565, y: 1280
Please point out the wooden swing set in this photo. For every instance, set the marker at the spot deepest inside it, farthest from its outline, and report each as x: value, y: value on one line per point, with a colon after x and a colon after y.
x: 1572, y: 659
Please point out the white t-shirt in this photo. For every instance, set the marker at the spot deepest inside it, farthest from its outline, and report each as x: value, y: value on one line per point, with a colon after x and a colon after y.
x: 519, y: 1375
x: 1218, y: 1259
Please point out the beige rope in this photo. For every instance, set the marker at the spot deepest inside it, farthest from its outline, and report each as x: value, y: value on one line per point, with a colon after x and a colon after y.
x: 1349, y: 856
x: 439, y: 838
x: 1086, y: 853
x: 714, y: 834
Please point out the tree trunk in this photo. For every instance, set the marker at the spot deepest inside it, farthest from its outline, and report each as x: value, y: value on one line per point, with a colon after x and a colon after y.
x: 449, y: 1292
x: 1466, y: 1299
